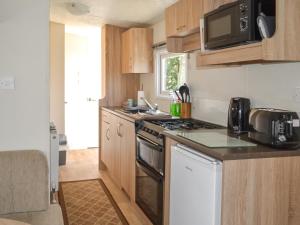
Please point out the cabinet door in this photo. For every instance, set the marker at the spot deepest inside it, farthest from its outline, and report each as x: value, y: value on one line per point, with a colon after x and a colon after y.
x: 181, y: 16
x: 137, y: 50
x: 171, y: 21
x: 127, y: 52
x: 194, y: 13
x: 115, y: 170
x: 127, y: 148
x: 142, y: 40
x: 209, y: 5
x: 105, y: 143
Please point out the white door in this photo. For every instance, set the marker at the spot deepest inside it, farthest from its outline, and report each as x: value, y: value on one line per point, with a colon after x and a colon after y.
x: 82, y: 90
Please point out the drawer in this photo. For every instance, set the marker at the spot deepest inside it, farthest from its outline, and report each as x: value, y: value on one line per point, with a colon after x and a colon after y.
x: 106, y: 117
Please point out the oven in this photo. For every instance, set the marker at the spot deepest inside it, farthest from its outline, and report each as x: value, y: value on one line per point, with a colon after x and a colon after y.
x: 150, y: 161
x: 150, y: 153
x: 149, y: 193
x: 150, y: 174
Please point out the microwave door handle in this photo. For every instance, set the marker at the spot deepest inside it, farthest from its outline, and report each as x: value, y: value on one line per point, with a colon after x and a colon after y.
x: 289, y: 127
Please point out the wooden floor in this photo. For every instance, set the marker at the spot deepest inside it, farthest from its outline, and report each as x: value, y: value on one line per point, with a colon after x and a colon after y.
x: 83, y: 165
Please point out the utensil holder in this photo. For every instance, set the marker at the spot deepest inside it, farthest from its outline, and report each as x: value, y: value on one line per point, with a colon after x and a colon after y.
x: 186, y: 110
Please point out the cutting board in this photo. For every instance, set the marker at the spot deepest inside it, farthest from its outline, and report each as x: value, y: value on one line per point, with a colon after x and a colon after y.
x: 215, y: 139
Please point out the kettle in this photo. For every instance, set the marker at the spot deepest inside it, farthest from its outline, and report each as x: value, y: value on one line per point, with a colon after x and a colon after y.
x: 238, y: 115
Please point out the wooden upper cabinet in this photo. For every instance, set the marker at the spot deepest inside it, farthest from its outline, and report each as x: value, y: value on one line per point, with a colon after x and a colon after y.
x: 195, y: 12
x: 171, y: 21
x: 183, y: 18
x: 210, y: 5
x: 137, y: 53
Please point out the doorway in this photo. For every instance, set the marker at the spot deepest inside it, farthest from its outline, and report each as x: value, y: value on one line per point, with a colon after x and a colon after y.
x: 82, y: 86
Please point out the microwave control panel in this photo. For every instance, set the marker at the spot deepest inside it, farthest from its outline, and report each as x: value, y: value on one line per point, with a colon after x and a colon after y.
x: 244, y: 16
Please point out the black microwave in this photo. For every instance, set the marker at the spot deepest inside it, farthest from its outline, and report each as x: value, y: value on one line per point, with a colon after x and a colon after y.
x: 235, y: 23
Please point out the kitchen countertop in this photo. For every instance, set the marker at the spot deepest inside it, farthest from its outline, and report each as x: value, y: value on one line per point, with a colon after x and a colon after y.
x: 233, y: 153
x: 225, y: 153
x: 131, y: 117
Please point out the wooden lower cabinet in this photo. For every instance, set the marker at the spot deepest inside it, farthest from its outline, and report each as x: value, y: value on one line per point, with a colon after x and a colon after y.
x: 264, y: 191
x: 261, y: 191
x: 127, y: 152
x: 115, y: 157
x: 118, y: 151
x: 105, y: 143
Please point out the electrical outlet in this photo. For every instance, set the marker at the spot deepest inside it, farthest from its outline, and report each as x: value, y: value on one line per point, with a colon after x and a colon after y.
x: 7, y: 83
x: 296, y: 94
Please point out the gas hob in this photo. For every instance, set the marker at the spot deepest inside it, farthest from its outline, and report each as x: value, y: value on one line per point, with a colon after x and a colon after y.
x: 185, y: 124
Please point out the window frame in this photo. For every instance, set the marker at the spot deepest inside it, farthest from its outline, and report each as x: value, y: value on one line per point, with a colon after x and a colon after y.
x: 158, y: 53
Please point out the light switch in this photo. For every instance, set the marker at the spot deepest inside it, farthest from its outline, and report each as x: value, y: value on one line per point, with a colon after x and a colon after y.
x: 7, y: 83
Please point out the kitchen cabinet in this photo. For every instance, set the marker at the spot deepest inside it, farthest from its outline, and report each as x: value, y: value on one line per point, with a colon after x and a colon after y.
x: 183, y: 18
x: 116, y: 88
x: 171, y: 21
x: 282, y: 46
x: 115, y: 154
x: 182, y: 24
x: 210, y: 5
x: 105, y: 139
x: 127, y: 147
x: 137, y: 53
x: 118, y: 150
x: 253, y: 191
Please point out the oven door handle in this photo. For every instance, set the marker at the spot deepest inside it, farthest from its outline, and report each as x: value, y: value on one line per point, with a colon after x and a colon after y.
x: 157, y: 177
x: 148, y: 141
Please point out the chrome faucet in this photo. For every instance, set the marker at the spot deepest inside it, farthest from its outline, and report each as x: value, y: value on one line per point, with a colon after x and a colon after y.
x: 153, y: 108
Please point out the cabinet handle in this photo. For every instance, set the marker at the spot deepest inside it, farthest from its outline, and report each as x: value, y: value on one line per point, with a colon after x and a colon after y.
x: 119, y: 129
x: 181, y: 27
x: 107, y: 134
x: 120, y: 125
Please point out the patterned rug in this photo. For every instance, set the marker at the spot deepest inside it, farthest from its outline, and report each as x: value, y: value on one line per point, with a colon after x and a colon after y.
x: 89, y: 203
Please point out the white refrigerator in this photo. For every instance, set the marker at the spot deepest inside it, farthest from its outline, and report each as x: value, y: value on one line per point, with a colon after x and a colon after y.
x: 195, y: 190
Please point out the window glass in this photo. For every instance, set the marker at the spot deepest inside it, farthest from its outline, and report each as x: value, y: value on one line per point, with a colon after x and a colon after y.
x: 170, y: 71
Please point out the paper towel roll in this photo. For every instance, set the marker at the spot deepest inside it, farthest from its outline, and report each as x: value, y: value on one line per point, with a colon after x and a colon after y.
x: 141, y: 95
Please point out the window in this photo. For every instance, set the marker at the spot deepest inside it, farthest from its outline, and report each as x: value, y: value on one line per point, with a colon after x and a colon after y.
x: 171, y: 69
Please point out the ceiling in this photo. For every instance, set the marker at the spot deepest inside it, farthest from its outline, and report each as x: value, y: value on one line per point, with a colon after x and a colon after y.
x: 123, y: 13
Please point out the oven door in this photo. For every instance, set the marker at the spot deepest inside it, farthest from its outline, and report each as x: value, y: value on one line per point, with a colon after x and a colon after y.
x: 222, y: 27
x: 150, y: 153
x: 149, y: 193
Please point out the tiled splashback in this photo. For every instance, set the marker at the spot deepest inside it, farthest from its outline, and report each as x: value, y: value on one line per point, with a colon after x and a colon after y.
x: 267, y: 85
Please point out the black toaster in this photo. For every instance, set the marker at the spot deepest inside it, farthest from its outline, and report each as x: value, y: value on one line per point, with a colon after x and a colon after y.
x: 274, y: 127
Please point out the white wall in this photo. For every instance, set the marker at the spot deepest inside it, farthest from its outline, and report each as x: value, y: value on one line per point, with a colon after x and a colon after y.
x: 269, y: 85
x: 24, y: 55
